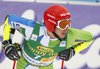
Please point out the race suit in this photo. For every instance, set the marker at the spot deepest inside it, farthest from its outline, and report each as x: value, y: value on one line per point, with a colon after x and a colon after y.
x: 39, y: 50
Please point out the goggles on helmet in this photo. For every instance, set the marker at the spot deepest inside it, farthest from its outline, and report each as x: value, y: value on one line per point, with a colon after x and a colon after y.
x: 63, y: 24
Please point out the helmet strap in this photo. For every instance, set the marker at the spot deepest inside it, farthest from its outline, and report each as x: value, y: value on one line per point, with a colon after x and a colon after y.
x: 57, y: 36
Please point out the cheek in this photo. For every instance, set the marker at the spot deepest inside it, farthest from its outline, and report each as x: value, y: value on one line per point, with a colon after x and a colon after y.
x: 58, y: 31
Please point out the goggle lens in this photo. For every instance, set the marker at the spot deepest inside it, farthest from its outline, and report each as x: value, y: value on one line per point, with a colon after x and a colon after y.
x: 63, y: 24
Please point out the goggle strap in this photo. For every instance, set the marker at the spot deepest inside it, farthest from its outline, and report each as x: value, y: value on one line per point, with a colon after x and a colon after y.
x: 57, y: 36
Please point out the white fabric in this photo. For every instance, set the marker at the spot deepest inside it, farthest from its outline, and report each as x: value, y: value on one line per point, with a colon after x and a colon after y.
x: 31, y: 67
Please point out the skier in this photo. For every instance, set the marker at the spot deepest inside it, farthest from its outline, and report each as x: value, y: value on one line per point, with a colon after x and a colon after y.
x: 43, y: 41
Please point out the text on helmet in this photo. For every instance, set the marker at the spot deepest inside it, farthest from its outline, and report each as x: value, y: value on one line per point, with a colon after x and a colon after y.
x: 51, y: 16
x: 51, y: 21
x: 64, y: 14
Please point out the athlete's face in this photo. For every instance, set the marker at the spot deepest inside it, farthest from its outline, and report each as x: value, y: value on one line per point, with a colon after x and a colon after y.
x: 61, y: 33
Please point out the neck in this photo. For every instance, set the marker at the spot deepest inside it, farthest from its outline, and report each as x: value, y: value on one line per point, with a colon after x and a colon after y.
x: 51, y: 35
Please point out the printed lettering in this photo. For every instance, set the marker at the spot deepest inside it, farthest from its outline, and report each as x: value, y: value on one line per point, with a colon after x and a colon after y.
x: 44, y: 53
x: 51, y: 16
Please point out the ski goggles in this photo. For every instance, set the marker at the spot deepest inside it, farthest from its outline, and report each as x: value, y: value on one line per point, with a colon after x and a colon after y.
x: 63, y: 24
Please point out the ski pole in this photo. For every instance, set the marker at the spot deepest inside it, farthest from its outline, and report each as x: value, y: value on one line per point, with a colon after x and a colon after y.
x: 14, y: 64
x: 62, y: 65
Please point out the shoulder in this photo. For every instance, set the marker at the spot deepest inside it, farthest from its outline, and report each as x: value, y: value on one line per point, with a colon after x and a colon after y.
x: 80, y: 33
x: 42, y: 24
x: 42, y: 29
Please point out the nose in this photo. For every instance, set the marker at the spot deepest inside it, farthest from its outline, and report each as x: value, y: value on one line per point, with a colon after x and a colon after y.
x: 66, y: 29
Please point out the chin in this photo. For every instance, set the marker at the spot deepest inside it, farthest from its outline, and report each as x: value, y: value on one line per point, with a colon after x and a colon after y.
x: 63, y: 37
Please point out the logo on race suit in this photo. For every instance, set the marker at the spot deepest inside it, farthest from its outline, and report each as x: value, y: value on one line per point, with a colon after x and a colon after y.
x: 34, y: 37
x: 41, y: 63
x: 78, y: 40
x: 63, y: 44
x: 44, y: 49
x: 18, y: 27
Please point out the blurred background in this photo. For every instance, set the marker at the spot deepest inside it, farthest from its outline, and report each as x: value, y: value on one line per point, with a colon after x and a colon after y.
x: 85, y: 15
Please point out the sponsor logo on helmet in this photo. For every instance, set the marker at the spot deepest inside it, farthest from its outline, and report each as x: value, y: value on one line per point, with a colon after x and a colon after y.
x: 51, y: 16
x: 64, y: 14
x: 51, y: 21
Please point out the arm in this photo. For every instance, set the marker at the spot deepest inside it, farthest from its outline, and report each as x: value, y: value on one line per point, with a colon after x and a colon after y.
x: 80, y: 40
x: 12, y: 23
x: 22, y: 25
x: 12, y: 51
x: 83, y: 39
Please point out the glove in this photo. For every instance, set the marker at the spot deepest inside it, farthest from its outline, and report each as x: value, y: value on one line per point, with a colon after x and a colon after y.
x: 12, y: 51
x: 67, y: 54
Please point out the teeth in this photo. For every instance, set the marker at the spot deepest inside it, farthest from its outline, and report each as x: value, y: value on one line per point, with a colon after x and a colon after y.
x: 63, y: 33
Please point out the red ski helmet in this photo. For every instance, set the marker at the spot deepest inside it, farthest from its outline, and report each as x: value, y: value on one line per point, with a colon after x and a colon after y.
x: 54, y: 13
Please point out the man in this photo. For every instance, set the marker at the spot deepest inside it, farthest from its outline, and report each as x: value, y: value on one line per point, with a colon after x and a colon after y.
x: 43, y: 41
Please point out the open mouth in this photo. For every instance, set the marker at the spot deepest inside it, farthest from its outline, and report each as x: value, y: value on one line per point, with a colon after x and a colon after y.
x: 64, y: 33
